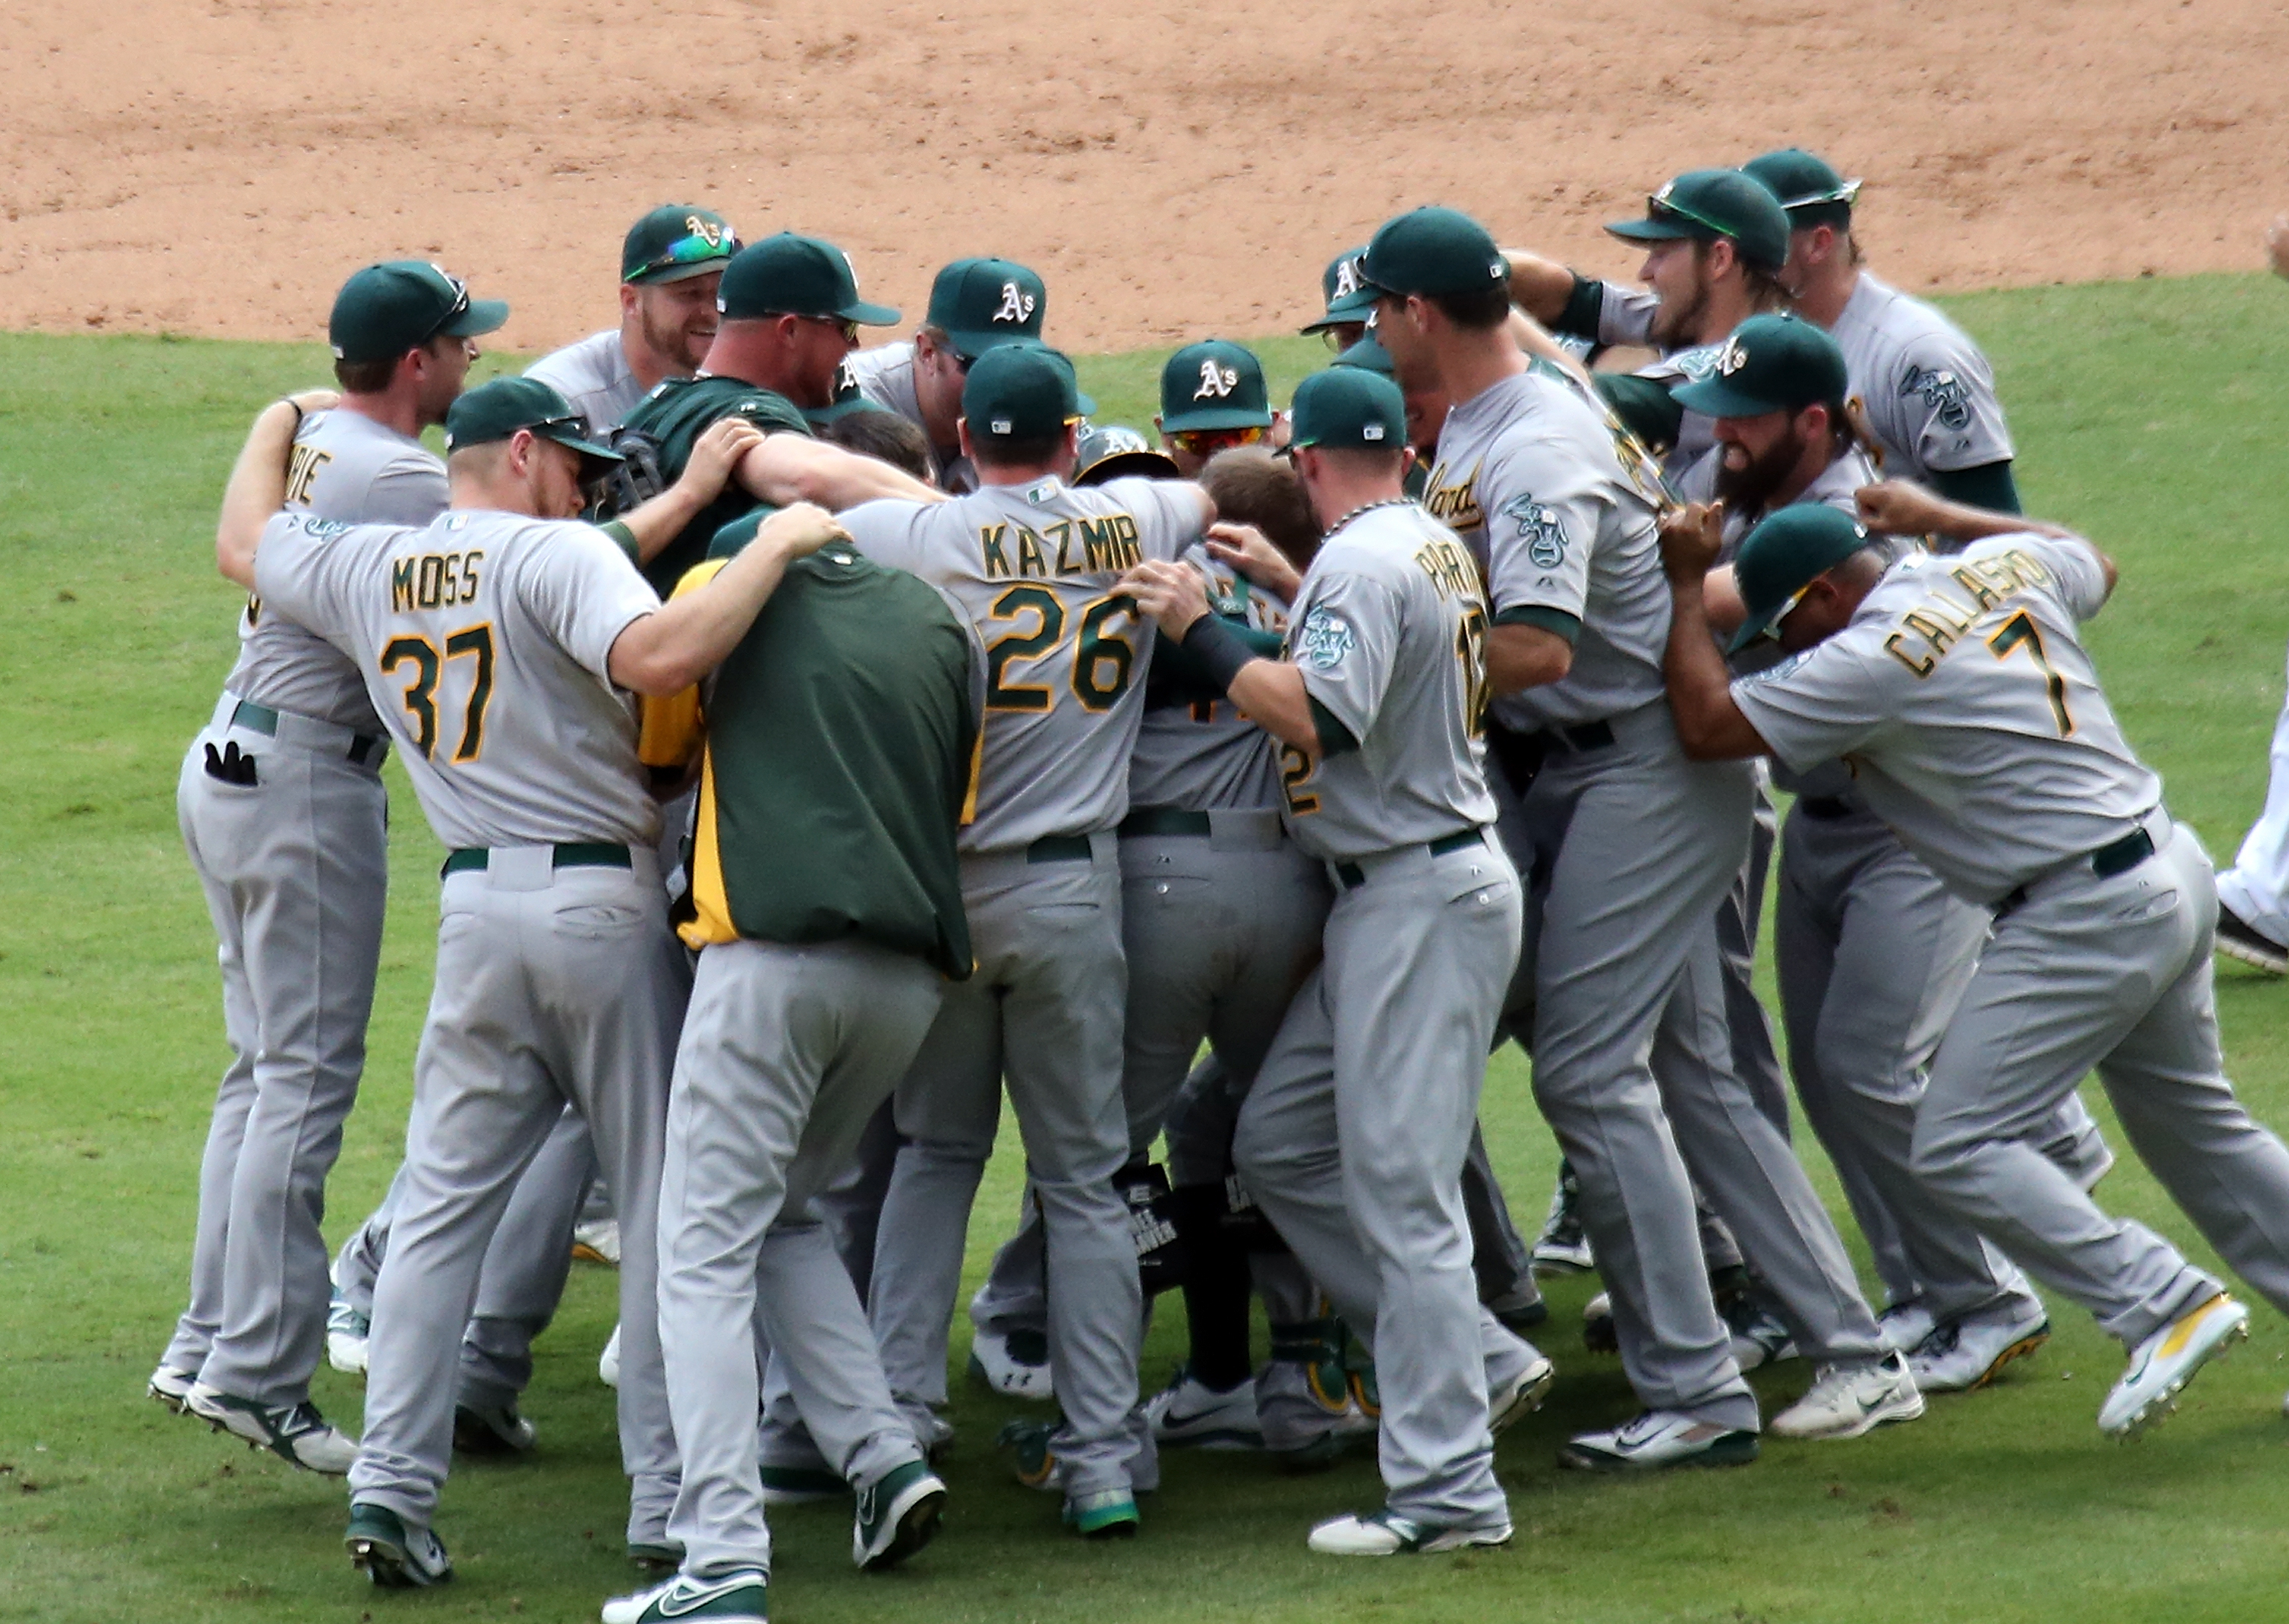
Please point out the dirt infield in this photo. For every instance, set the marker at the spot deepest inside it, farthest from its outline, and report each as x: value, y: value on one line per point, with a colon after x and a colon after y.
x: 215, y: 166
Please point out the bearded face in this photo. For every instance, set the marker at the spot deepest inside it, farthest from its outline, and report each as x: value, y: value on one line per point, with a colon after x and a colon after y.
x: 1759, y: 454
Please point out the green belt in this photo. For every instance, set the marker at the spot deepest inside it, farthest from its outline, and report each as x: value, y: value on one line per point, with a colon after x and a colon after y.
x: 1353, y: 875
x: 1164, y: 820
x: 1823, y: 809
x: 1060, y: 848
x: 261, y: 719
x: 579, y: 855
x: 2115, y: 857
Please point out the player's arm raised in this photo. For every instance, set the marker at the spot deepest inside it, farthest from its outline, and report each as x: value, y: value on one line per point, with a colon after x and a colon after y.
x: 667, y: 651
x: 1709, y: 725
x: 258, y: 481
x: 785, y: 469
x: 1898, y: 507
x: 714, y: 457
x: 1269, y: 691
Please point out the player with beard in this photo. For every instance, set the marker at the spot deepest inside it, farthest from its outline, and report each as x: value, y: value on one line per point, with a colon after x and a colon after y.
x: 671, y: 264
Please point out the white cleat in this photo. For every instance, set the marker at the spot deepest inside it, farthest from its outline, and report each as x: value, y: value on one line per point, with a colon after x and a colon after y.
x: 721, y: 1598
x: 1968, y: 1355
x: 1015, y: 1364
x: 1844, y: 1404
x: 294, y: 1433
x: 1522, y: 1395
x: 598, y: 1242
x: 2162, y: 1365
x: 607, y: 1363
x: 1904, y: 1326
x: 172, y: 1387
x: 1189, y: 1412
x: 1657, y: 1439
x: 1387, y: 1533
x: 346, y: 1334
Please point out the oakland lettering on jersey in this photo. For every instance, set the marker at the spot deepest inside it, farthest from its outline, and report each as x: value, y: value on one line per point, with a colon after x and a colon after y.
x: 1455, y: 506
x: 433, y: 580
x: 1938, y: 621
x: 1105, y: 544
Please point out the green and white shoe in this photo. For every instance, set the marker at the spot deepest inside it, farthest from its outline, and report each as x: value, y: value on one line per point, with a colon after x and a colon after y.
x: 736, y: 1597
x: 897, y: 1515
x: 1109, y: 1514
x: 1387, y: 1533
x: 294, y: 1433
x: 396, y: 1555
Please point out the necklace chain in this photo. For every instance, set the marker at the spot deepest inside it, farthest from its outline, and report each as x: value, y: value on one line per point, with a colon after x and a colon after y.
x: 1368, y: 507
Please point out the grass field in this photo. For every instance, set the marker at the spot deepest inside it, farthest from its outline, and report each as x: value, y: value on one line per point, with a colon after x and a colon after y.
x: 2145, y: 412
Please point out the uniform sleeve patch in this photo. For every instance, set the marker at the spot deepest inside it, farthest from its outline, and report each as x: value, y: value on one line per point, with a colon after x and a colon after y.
x: 1324, y: 639
x: 1539, y: 528
x: 1942, y: 391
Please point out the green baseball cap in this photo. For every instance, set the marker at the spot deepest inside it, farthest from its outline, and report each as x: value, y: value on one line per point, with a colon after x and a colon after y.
x: 1784, y: 555
x: 1432, y: 250
x: 1348, y: 409
x: 1021, y: 390
x: 1771, y: 363
x: 980, y: 303
x: 676, y: 240
x: 386, y: 309
x: 1213, y: 383
x: 499, y: 409
x: 847, y: 398
x: 785, y: 274
x: 1707, y: 204
x: 1368, y: 355
x: 1808, y: 188
x: 1350, y: 300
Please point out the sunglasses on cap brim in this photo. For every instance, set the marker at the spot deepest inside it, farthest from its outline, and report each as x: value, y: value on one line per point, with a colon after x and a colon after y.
x: 1203, y: 441
x: 1845, y: 192
x: 689, y: 251
x: 455, y: 311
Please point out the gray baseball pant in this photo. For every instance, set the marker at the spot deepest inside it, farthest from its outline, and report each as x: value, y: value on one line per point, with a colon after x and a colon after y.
x: 2113, y: 973
x: 787, y: 1051
x: 1199, y: 1129
x: 1219, y: 930
x: 554, y: 986
x: 295, y: 868
x: 1873, y: 954
x: 522, y: 1279
x: 1634, y: 846
x: 1755, y: 1060
x: 1353, y: 1139
x: 1042, y: 1013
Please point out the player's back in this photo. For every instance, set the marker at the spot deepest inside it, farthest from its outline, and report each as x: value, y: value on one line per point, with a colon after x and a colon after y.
x: 1927, y: 390
x: 593, y: 376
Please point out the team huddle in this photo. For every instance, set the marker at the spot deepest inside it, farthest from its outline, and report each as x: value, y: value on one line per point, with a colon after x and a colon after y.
x: 829, y: 742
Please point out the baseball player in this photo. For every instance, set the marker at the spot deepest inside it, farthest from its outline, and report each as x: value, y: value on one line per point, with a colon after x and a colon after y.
x: 1633, y: 847
x: 1353, y: 1136
x: 1212, y: 396
x: 827, y: 915
x: 1033, y: 561
x: 974, y: 305
x: 1959, y: 688
x: 1922, y: 387
x: 1349, y: 301
x: 1871, y: 952
x: 283, y: 811
x: 497, y: 642
x: 670, y: 263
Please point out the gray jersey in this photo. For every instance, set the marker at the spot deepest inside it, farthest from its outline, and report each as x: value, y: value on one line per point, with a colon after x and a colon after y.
x: 1390, y: 633
x: 1626, y: 314
x: 1836, y: 485
x: 1204, y: 756
x: 595, y: 376
x: 1696, y: 431
x: 1928, y: 393
x: 885, y: 375
x: 346, y: 467
x: 484, y: 638
x: 1529, y: 477
x: 1962, y: 698
x: 1033, y: 566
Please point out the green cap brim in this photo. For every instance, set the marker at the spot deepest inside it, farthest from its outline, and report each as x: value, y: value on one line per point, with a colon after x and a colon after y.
x: 679, y: 273
x: 972, y: 343
x: 1352, y: 310
x: 1652, y: 231
x: 1215, y: 416
x: 1716, y: 397
x: 483, y: 315
x: 1753, y: 628
x: 1082, y: 404
x: 868, y: 315
x: 573, y: 442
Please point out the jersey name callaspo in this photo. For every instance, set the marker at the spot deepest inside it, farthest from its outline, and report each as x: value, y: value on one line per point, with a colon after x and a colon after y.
x: 1961, y: 697
x: 484, y: 639
x: 1390, y: 633
x: 1033, y: 565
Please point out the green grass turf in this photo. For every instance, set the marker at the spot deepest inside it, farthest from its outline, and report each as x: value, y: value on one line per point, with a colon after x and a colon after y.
x: 2145, y: 411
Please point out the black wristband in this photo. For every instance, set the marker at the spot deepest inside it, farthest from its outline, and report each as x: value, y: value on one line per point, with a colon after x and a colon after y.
x: 1220, y: 650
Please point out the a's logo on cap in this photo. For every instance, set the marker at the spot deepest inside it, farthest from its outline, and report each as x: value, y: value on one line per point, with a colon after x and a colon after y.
x: 1372, y: 431
x: 1734, y: 358
x: 707, y: 231
x: 1216, y: 380
x: 1347, y: 276
x: 1016, y: 305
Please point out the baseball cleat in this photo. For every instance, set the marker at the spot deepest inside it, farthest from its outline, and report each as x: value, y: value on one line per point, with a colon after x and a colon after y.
x: 1387, y: 1533
x: 1305, y: 1427
x: 736, y: 1597
x: 346, y: 1334
x: 802, y: 1485
x: 1598, y: 1333
x: 1190, y: 1412
x: 1904, y: 1326
x: 1844, y: 1404
x: 1109, y: 1514
x: 1028, y: 1443
x: 295, y: 1433
x: 897, y: 1515
x: 490, y: 1429
x: 597, y: 1242
x: 396, y: 1555
x: 1966, y: 1355
x: 1522, y: 1395
x: 172, y: 1387
x: 607, y: 1363
x: 1015, y: 1364
x: 1561, y: 1247
x: 2162, y: 1365
x: 1758, y: 1337
x: 1521, y: 1312
x: 1656, y: 1439
x: 2238, y: 938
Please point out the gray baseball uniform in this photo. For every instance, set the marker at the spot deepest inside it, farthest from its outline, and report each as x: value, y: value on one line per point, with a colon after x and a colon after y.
x: 1928, y: 394
x: 885, y: 375
x: 1961, y: 694
x: 1353, y: 1137
x: 1032, y: 565
x: 484, y: 639
x: 293, y: 854
x: 595, y: 376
